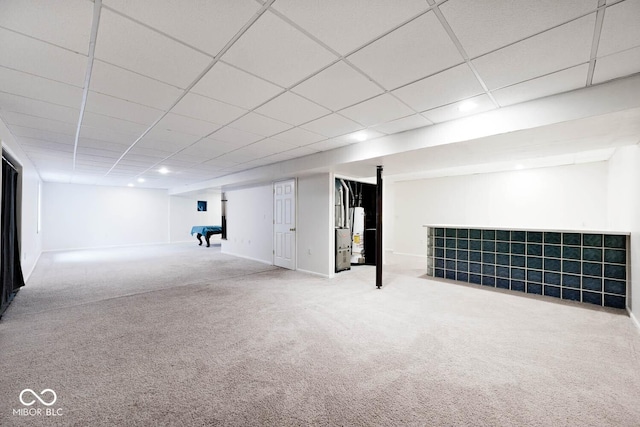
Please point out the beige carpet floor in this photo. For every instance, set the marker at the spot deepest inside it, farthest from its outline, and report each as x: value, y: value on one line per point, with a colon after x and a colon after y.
x: 184, y: 335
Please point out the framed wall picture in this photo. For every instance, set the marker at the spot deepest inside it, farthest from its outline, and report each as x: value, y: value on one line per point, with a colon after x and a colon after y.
x: 202, y: 205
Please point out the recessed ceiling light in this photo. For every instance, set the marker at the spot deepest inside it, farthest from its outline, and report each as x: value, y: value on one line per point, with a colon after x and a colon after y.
x: 140, y: 180
x: 129, y: 185
x: 360, y: 136
x: 163, y: 170
x: 467, y: 106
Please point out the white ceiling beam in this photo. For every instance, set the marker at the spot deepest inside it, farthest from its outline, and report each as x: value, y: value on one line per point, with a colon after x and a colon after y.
x: 613, y: 96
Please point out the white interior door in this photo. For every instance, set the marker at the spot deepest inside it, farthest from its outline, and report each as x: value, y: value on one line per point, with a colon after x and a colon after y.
x: 284, y: 224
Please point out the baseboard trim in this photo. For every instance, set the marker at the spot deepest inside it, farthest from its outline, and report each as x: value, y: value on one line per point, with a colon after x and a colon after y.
x: 314, y: 273
x: 634, y: 319
x: 128, y: 245
x: 248, y: 257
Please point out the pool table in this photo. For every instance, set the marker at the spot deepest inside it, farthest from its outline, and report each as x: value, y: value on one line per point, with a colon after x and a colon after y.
x: 205, y: 230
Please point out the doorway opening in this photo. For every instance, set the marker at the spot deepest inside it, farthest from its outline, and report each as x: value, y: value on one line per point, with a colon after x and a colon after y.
x: 11, y: 278
x: 355, y: 224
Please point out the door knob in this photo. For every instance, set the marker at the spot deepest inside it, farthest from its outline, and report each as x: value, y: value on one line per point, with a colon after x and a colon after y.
x: 292, y: 229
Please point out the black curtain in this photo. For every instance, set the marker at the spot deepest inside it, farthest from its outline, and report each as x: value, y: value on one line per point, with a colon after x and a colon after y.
x: 11, y: 278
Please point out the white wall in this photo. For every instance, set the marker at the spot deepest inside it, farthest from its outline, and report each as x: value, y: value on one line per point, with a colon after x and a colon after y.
x: 30, y: 238
x: 623, y: 206
x: 314, y: 224
x: 250, y: 223
x: 183, y: 215
x: 565, y: 198
x: 86, y: 216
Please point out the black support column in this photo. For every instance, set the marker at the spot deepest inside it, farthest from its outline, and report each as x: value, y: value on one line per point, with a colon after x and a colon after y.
x: 379, y: 228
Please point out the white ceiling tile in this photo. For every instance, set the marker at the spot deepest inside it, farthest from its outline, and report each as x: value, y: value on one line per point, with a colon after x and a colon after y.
x: 261, y: 125
x: 30, y: 144
x: 205, y: 25
x: 235, y: 157
x: 89, y: 163
x: 101, y: 144
x: 185, y: 157
x: 443, y: 88
x: 54, y: 160
x: 166, y: 140
x: 109, y: 151
x: 206, y: 149
x: 112, y: 124
x: 220, y: 163
x: 327, y: 144
x: 27, y: 121
x: 415, y: 50
x: 151, y: 152
x: 175, y: 164
x: 400, y: 125
x: 203, y: 108
x: 127, y: 170
x: 26, y: 54
x: 274, y: 158
x: 170, y: 136
x: 220, y: 146
x: 293, y: 109
x: 66, y: 24
x: 299, y: 136
x: 337, y: 87
x: 452, y: 112
x: 62, y: 138
x: 236, y: 87
x: 620, y: 28
x: 235, y: 167
x: 124, y: 43
x: 89, y: 166
x: 278, y: 52
x: 617, y: 65
x: 187, y: 125
x: 269, y: 146
x: 135, y: 163
x: 482, y: 27
x: 562, y: 47
x: 108, y: 135
x: 360, y: 136
x: 377, y: 110
x: 20, y: 104
x: 301, y: 151
x: 58, y: 159
x: 30, y: 86
x: 235, y: 137
x: 124, y: 84
x: 346, y: 25
x: 121, y: 109
x: 247, y: 165
x: 332, y: 125
x: 562, y: 81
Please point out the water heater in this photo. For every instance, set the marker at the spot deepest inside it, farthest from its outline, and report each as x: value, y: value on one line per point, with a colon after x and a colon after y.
x: 357, y: 240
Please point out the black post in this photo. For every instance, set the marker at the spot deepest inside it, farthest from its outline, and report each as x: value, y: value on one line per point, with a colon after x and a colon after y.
x: 223, y: 224
x: 379, y: 228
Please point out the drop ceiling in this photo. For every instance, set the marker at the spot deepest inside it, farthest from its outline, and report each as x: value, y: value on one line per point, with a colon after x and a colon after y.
x: 109, y: 92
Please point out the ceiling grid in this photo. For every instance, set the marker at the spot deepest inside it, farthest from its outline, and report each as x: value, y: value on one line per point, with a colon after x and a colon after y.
x: 212, y: 89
